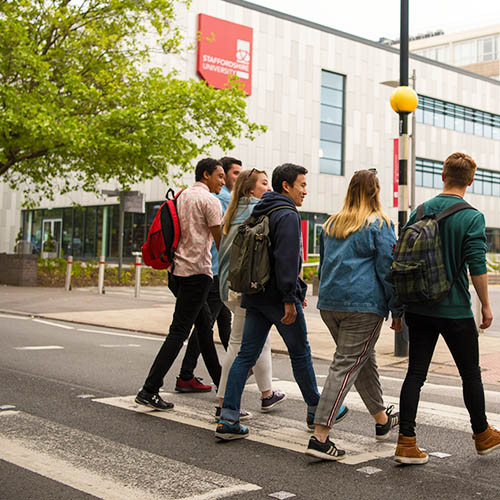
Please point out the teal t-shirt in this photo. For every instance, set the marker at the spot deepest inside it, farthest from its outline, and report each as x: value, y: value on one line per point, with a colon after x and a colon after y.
x: 463, y: 238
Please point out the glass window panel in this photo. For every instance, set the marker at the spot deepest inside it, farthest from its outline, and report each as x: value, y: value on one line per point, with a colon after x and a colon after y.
x: 427, y: 179
x: 331, y: 132
x: 459, y: 124
x: 439, y: 120
x: 496, y: 133
x: 418, y: 177
x: 331, y: 97
x: 469, y: 127
x: 429, y: 117
x: 67, y: 232
x: 90, y: 232
x: 449, y: 122
x: 477, y: 186
x: 438, y: 182
x: 332, y: 80
x: 331, y: 115
x: 327, y: 166
x: 487, y: 131
x: 487, y: 188
x: 78, y: 232
x: 419, y: 115
x: 478, y: 128
x: 495, y: 189
x: 332, y: 150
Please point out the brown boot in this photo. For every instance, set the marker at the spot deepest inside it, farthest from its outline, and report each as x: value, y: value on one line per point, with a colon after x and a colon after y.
x: 407, y: 451
x: 487, y: 441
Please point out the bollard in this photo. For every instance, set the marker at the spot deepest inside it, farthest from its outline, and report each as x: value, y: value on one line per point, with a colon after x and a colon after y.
x: 69, y: 266
x: 100, y: 283
x: 137, y: 275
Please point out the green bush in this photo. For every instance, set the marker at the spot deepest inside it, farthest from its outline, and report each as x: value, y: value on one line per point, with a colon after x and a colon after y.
x: 52, y: 273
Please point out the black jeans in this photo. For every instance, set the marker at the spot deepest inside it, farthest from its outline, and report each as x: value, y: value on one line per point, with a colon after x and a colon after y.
x: 461, y: 337
x: 219, y: 313
x: 190, y: 308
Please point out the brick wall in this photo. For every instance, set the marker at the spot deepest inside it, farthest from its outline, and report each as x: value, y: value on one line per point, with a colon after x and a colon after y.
x: 20, y: 270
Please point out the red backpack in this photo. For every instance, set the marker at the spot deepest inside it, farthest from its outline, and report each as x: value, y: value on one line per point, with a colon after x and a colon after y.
x: 164, y: 235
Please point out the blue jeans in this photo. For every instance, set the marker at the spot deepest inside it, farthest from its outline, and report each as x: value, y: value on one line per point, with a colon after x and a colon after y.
x: 258, y: 322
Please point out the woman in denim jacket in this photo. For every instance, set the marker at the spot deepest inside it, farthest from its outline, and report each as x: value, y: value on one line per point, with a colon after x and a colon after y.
x: 355, y: 296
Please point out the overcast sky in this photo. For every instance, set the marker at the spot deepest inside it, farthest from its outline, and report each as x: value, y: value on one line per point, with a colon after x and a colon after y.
x: 373, y: 19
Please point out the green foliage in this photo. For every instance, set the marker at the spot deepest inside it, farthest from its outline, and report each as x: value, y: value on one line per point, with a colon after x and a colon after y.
x: 310, y: 271
x: 492, y: 264
x: 79, y: 106
x: 52, y: 272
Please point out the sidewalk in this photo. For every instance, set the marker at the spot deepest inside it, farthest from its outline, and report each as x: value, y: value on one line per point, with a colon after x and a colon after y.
x: 152, y: 313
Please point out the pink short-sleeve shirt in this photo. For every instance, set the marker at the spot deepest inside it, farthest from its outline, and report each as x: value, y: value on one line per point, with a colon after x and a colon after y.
x: 198, y: 210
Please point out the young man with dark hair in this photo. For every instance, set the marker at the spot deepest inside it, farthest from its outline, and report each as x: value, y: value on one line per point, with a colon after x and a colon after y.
x: 463, y: 242
x: 279, y: 304
x: 186, y: 381
x: 200, y: 219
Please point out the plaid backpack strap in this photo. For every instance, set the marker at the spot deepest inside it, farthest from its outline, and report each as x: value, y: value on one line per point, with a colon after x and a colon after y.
x: 420, y: 212
x: 456, y: 207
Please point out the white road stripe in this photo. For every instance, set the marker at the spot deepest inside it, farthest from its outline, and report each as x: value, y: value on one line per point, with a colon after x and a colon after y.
x: 119, y: 345
x: 157, y: 338
x: 11, y: 316
x: 291, y: 434
x: 115, y: 472
x: 272, y: 430
x: 38, y: 348
x: 66, y: 327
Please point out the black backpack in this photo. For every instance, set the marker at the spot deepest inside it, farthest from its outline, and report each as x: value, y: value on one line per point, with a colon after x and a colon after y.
x: 250, y: 260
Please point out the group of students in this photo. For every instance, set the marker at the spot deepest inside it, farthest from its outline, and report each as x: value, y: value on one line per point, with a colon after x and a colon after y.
x: 355, y: 296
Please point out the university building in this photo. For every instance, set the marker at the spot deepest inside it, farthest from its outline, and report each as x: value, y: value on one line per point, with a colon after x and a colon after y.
x: 324, y: 96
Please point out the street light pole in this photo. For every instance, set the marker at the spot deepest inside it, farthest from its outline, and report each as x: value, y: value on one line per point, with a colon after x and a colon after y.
x: 404, y: 101
x: 413, y: 148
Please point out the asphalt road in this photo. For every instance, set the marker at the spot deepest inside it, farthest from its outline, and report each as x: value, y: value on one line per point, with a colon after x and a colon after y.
x: 67, y: 437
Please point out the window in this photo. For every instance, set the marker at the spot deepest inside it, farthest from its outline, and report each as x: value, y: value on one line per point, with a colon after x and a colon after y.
x: 465, y: 53
x: 459, y: 118
x: 332, y: 123
x: 428, y: 174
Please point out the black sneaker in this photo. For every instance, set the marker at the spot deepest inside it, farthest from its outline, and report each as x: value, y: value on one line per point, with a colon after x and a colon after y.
x: 342, y: 413
x: 270, y: 402
x: 243, y: 414
x: 382, y: 431
x: 227, y: 431
x: 325, y: 451
x: 153, y: 401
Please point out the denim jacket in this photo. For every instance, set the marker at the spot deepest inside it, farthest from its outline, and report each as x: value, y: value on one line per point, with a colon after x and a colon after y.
x: 355, y: 272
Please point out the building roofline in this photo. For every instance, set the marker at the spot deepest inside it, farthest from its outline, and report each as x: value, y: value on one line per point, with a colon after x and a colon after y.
x: 354, y: 38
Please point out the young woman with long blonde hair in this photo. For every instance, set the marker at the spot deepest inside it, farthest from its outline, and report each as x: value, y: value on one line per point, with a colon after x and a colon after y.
x: 248, y: 189
x: 355, y: 296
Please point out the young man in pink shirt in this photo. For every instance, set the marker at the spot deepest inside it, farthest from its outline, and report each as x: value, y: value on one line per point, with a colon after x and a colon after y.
x: 200, y: 217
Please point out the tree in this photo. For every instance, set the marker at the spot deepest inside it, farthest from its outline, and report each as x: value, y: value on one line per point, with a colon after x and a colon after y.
x: 78, y: 106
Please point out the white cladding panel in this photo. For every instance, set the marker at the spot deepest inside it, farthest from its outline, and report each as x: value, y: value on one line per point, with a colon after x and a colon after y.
x: 287, y: 61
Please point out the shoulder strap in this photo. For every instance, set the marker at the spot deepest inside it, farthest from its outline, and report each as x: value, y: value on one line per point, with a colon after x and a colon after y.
x: 420, y: 212
x: 456, y: 207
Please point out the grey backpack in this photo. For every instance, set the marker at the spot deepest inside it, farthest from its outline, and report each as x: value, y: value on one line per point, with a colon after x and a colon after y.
x: 250, y: 260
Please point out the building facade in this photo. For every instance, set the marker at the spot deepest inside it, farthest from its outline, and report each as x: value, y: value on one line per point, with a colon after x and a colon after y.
x: 322, y: 95
x: 476, y: 50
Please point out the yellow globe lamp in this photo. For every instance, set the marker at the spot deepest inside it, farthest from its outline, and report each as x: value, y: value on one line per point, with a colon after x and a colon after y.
x: 404, y: 100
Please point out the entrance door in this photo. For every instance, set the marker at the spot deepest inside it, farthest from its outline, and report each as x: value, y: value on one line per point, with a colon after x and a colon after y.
x: 51, y: 238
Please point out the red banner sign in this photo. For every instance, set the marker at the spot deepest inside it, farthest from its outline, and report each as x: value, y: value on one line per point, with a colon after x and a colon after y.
x: 305, y: 238
x: 224, y: 48
x: 395, y: 167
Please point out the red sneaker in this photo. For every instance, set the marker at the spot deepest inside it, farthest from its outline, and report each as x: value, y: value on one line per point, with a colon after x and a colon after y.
x: 192, y: 385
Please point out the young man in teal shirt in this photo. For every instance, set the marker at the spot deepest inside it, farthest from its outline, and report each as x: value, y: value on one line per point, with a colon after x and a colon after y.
x: 464, y: 246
